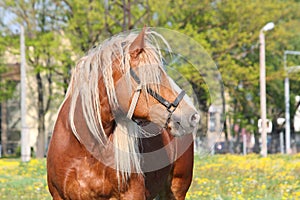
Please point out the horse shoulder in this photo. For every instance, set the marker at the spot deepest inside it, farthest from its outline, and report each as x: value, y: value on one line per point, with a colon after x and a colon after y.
x: 72, y: 172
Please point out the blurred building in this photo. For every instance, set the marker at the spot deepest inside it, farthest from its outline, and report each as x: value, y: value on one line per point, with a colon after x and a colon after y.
x: 10, y: 113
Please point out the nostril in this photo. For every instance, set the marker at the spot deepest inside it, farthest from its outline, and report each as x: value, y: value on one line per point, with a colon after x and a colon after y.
x: 195, y: 119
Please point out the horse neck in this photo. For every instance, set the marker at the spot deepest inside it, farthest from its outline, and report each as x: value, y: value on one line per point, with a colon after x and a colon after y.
x: 106, y: 115
x: 106, y: 112
x: 89, y: 145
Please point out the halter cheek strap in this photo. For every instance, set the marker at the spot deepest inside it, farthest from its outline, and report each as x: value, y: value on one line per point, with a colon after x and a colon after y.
x: 136, y: 94
x: 134, y: 101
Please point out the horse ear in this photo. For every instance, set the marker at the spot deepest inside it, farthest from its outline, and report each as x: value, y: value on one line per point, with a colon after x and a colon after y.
x: 138, y: 44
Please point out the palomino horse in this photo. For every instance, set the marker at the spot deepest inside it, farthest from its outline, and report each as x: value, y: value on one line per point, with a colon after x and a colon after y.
x: 122, y: 125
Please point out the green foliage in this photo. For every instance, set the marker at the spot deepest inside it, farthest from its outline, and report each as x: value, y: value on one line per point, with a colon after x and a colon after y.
x: 59, y: 32
x: 7, y: 45
x: 229, y: 31
x: 7, y: 90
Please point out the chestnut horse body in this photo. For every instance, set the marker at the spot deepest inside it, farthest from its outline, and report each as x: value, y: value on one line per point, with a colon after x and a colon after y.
x: 114, y: 137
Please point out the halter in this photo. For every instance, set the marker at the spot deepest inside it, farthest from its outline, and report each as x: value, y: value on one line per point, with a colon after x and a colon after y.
x: 170, y: 106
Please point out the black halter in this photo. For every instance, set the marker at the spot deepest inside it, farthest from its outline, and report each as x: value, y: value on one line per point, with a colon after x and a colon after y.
x: 171, y: 106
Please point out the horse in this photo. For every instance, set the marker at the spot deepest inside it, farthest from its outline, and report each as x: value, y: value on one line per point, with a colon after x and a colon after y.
x: 124, y: 129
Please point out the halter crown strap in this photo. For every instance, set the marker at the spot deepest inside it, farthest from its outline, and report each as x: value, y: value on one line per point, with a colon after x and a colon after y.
x: 134, y: 76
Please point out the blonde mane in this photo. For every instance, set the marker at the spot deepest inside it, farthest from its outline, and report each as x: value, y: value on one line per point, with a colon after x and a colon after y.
x: 100, y: 62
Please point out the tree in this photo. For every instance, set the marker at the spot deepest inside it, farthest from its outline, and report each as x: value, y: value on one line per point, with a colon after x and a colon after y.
x: 42, y: 46
x: 59, y: 32
x: 229, y: 30
x: 8, y: 82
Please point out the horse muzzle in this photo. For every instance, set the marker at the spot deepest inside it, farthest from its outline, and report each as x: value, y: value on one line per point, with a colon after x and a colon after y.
x: 180, y: 125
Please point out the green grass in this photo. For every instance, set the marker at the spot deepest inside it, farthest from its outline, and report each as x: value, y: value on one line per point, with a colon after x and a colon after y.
x: 219, y: 177
x: 229, y: 177
x: 23, y: 180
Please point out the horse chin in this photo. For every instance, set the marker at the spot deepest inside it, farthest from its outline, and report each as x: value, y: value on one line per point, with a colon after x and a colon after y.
x: 177, y: 130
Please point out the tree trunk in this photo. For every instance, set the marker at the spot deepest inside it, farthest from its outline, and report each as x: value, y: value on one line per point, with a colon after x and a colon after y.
x: 256, y: 148
x: 4, y: 128
x: 40, y: 152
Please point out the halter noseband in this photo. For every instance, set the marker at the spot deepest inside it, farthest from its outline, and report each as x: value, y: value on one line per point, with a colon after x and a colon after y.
x: 171, y: 106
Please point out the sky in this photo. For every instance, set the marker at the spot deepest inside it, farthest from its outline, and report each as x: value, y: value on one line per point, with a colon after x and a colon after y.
x: 8, y: 18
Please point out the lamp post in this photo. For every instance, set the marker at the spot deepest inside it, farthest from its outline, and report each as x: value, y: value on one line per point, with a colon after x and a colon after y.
x: 25, y: 148
x: 263, y: 104
x: 287, y: 97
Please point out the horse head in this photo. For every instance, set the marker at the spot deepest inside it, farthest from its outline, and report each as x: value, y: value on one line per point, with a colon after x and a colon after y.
x: 151, y: 94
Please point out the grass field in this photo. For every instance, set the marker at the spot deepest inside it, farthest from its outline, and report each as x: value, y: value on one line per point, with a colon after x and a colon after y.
x: 246, y: 177
x: 215, y: 177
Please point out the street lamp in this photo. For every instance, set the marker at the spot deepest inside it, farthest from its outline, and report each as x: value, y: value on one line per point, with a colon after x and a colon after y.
x: 268, y: 26
x: 263, y: 104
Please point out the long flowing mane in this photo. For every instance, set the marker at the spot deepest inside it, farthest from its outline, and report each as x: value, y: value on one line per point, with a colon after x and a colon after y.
x: 99, y: 63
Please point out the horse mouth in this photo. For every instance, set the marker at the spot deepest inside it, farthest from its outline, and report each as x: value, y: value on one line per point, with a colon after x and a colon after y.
x: 141, y: 122
x: 176, y: 129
